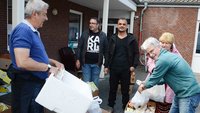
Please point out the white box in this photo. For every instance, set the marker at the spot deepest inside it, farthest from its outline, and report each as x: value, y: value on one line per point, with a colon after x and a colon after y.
x: 65, y: 93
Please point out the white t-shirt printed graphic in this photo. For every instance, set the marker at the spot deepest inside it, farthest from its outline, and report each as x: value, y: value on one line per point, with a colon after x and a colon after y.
x: 93, y: 44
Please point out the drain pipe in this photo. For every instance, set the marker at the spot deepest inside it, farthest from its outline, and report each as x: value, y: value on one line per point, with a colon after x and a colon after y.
x: 142, y: 55
x: 141, y: 22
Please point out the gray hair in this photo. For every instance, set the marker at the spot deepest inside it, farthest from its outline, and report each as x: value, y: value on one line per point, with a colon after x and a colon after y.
x: 35, y: 6
x: 150, y: 41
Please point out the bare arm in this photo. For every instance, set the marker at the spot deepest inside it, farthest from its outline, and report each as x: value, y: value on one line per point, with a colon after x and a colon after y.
x: 24, y: 61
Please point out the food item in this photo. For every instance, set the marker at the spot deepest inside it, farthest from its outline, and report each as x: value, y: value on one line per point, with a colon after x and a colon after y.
x: 3, y: 107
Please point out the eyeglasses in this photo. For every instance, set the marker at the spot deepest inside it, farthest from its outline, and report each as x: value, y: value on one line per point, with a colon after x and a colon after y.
x: 92, y: 23
x: 150, y: 51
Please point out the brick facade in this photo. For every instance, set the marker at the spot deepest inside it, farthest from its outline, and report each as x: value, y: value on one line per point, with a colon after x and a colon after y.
x: 179, y: 21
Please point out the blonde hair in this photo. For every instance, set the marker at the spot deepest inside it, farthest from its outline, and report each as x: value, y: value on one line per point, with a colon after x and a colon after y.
x: 167, y: 38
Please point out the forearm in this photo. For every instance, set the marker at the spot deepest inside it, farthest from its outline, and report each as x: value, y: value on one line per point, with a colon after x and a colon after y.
x: 32, y: 65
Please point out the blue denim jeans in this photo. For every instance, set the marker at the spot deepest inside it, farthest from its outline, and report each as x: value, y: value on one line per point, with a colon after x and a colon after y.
x: 185, y: 105
x: 91, y: 73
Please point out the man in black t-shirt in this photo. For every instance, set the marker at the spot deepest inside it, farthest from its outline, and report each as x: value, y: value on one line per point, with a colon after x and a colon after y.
x: 123, y: 59
x: 92, y: 47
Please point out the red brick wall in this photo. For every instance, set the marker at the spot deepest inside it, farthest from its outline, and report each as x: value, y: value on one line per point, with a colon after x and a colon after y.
x: 54, y: 31
x: 3, y: 28
x: 179, y: 21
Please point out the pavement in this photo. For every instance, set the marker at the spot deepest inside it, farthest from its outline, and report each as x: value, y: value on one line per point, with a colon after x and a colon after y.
x: 104, y: 90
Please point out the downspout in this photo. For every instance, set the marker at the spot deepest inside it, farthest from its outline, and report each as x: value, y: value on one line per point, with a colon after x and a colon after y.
x: 141, y: 22
x: 142, y: 55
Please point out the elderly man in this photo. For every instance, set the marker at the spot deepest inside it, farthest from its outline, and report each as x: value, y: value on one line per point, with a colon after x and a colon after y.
x: 30, y: 62
x: 175, y: 71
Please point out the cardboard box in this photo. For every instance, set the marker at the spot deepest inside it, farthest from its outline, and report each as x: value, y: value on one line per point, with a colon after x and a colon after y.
x: 94, y: 89
x: 95, y: 93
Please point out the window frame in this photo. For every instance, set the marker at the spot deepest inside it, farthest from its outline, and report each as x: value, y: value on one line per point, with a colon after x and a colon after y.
x: 74, y: 44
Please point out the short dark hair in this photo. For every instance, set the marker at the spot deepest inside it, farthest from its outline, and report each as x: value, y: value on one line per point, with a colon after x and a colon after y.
x: 122, y: 18
x: 95, y: 18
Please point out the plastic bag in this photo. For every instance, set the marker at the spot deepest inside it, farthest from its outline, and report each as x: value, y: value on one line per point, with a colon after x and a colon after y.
x: 140, y: 99
x: 157, y: 93
x: 94, y: 107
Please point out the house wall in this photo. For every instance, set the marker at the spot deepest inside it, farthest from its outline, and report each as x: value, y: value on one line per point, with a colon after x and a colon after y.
x: 54, y: 32
x: 3, y: 28
x: 179, y: 21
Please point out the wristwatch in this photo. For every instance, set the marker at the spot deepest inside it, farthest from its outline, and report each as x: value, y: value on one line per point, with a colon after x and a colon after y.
x: 49, y: 67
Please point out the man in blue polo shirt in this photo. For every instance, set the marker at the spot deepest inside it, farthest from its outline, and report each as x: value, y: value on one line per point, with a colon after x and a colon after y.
x: 30, y: 62
x: 176, y: 72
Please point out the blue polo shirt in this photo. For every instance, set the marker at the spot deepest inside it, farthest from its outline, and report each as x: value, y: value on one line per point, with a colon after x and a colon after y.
x: 26, y: 36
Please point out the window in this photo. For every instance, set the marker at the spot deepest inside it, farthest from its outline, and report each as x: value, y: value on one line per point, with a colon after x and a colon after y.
x: 198, y: 41
x: 75, y: 28
x: 9, y: 20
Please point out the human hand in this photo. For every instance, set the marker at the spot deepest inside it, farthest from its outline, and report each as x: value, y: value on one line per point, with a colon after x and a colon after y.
x: 78, y: 64
x: 106, y: 71
x: 130, y: 104
x: 59, y: 65
x: 54, y: 70
x: 141, y: 87
x: 132, y: 69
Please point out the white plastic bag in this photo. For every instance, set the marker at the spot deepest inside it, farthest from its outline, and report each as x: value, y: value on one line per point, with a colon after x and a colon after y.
x: 157, y: 93
x: 94, y: 107
x: 140, y: 99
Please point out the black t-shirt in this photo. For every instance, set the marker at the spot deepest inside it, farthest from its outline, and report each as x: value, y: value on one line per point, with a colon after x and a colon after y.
x: 120, y: 58
x: 92, y: 53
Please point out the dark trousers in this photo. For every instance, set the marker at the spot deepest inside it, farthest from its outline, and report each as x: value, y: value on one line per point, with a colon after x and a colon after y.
x: 116, y: 75
x: 24, y: 92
